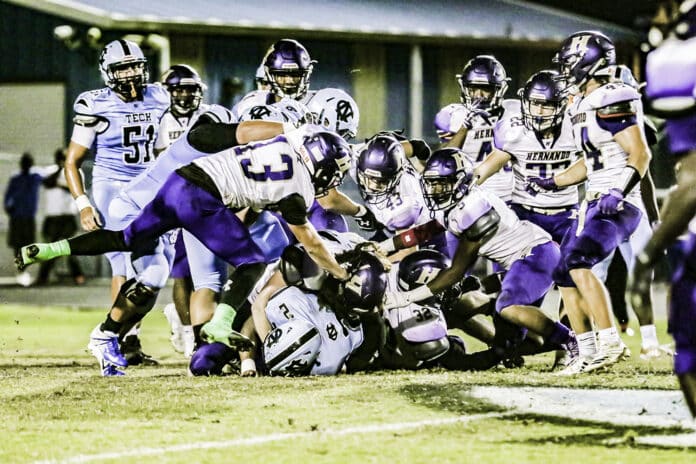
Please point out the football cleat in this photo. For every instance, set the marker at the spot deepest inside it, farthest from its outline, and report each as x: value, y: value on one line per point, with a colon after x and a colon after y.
x: 648, y: 353
x: 212, y: 333
x: 104, y: 347
x: 577, y: 365
x: 109, y: 370
x: 608, y: 355
x: 26, y: 256
x: 133, y: 352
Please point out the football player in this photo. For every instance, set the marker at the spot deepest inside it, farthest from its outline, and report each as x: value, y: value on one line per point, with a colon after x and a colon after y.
x: 671, y: 77
x: 469, y: 125
x: 390, y: 187
x: 283, y: 175
x: 121, y: 123
x: 288, y: 67
x: 486, y: 226
x: 607, y: 125
x: 186, y: 90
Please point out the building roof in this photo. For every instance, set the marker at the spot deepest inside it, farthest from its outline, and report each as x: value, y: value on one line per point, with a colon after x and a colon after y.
x: 397, y: 20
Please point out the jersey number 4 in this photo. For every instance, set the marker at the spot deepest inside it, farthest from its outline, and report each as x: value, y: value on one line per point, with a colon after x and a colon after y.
x: 136, y: 146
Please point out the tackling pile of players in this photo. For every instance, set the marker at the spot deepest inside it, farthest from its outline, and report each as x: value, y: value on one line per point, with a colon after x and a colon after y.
x: 547, y: 187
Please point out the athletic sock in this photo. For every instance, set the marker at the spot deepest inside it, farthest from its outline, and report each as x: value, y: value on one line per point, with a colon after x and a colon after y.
x: 587, y: 344
x: 197, y: 334
x: 609, y: 336
x: 109, y: 325
x: 52, y: 250
x: 560, y: 334
x: 224, y: 315
x: 648, y: 334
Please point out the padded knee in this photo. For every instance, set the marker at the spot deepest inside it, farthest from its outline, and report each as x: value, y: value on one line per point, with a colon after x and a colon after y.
x: 138, y: 293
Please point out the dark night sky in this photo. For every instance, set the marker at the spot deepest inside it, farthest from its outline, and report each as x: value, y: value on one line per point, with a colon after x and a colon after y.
x: 623, y: 12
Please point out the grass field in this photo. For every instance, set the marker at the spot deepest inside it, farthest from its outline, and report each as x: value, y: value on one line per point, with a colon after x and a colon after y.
x: 56, y: 408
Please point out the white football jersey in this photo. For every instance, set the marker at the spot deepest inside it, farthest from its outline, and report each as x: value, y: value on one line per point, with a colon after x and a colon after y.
x: 532, y: 157
x: 260, y: 174
x: 513, y: 238
x: 124, y: 135
x: 405, y: 206
x: 338, y: 341
x: 604, y: 157
x: 478, y: 143
x: 177, y: 125
x: 144, y: 187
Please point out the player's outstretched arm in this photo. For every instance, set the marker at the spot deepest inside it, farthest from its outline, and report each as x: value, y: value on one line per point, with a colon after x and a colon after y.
x: 89, y: 218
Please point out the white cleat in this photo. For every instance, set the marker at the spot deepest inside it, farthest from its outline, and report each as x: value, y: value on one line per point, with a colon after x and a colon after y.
x: 104, y: 347
x: 577, y: 365
x: 608, y: 355
x: 648, y: 353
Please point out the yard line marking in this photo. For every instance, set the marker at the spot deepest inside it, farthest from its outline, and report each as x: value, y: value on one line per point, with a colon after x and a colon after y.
x: 250, y: 441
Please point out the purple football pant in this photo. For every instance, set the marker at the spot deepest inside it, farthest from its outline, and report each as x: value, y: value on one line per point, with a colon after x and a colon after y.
x: 180, y: 267
x: 682, y: 312
x: 181, y: 203
x: 600, y: 235
x: 529, y: 278
x: 555, y: 224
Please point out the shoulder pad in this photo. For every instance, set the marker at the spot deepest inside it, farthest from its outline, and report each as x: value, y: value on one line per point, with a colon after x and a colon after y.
x: 443, y: 118
x: 511, y: 105
x: 618, y: 109
x: 158, y: 93
x: 484, y: 225
x: 469, y: 210
x: 85, y: 102
x: 505, y: 130
x: 612, y: 93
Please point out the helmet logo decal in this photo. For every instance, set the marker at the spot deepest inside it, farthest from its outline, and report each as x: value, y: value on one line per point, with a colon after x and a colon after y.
x: 344, y: 111
x: 427, y: 274
x: 578, y: 43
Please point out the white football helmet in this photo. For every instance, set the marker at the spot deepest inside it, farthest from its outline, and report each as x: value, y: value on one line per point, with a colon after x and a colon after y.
x: 286, y: 110
x: 336, y: 111
x: 291, y: 348
x: 115, y: 61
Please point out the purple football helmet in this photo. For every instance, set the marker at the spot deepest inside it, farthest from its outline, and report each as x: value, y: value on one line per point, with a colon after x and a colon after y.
x: 185, y: 87
x: 446, y: 178
x: 288, y: 66
x: 483, y: 83
x: 363, y: 292
x: 380, y: 166
x: 421, y: 267
x: 584, y: 55
x: 328, y: 157
x: 543, y: 101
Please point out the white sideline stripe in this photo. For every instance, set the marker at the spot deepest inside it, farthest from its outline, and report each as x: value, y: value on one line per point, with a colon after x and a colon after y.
x: 375, y: 428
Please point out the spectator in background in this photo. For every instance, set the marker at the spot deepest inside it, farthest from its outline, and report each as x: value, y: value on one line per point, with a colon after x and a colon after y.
x: 21, y: 202
x: 60, y: 217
